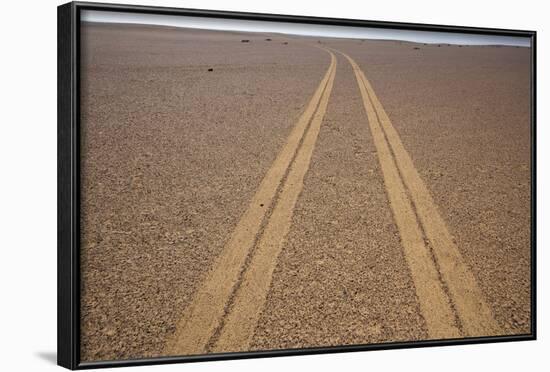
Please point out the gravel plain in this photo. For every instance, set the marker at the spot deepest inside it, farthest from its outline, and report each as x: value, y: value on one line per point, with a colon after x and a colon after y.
x: 171, y: 155
x: 179, y: 127
x: 463, y: 114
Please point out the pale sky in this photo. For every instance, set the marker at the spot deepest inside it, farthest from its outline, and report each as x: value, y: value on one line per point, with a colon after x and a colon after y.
x: 302, y: 29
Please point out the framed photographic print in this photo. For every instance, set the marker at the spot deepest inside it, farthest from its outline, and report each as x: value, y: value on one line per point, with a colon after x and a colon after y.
x: 236, y: 185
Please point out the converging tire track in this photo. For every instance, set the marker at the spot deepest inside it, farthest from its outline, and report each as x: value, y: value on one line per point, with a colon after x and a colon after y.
x: 451, y: 301
x: 225, y: 309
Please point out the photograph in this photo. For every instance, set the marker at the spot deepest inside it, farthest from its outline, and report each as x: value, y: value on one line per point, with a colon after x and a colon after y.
x: 261, y: 185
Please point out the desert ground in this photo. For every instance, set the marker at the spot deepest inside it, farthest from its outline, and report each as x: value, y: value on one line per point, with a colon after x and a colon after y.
x: 247, y: 191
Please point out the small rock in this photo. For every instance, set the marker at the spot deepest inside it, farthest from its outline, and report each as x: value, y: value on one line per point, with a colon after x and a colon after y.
x: 210, y: 69
x: 109, y: 332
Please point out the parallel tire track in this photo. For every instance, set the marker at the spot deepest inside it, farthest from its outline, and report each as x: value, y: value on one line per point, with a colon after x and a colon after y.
x: 251, y: 295
x: 203, y: 317
x: 446, y: 288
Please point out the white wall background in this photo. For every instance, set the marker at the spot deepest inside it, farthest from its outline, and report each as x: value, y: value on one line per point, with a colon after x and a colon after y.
x: 28, y: 184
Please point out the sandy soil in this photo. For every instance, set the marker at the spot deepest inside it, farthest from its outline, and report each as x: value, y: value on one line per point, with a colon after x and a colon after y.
x: 172, y: 154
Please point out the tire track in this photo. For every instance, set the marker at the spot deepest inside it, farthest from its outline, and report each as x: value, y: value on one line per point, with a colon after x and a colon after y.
x: 203, y: 317
x: 250, y: 297
x: 451, y: 301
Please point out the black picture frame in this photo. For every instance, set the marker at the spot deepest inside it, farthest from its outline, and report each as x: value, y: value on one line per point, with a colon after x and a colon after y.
x: 68, y: 194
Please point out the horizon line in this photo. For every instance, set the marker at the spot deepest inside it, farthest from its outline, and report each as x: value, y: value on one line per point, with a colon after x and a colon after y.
x: 302, y: 29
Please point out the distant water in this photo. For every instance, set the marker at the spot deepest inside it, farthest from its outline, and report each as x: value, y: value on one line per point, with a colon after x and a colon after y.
x: 303, y: 29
